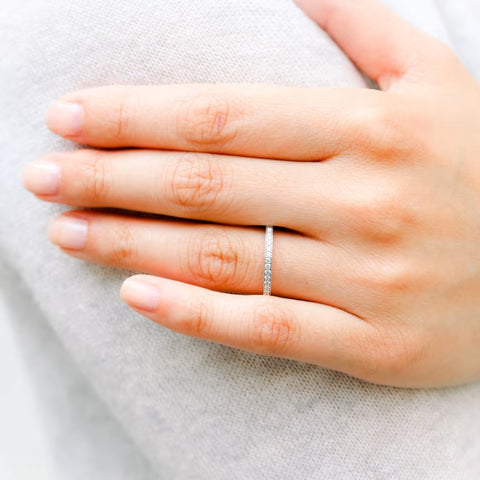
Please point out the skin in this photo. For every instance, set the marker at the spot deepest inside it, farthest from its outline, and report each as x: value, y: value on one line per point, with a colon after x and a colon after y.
x: 375, y: 195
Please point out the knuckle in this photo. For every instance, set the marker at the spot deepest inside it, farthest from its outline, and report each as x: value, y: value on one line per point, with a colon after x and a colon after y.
x: 405, y: 131
x: 397, y: 278
x: 366, y: 122
x: 384, y: 130
x: 197, y: 182
x: 274, y: 330
x: 392, y: 277
x: 94, y: 173
x: 197, y: 318
x: 204, y: 120
x: 215, y: 260
x: 394, y: 135
x: 123, y: 250
x: 364, y: 116
x: 384, y: 217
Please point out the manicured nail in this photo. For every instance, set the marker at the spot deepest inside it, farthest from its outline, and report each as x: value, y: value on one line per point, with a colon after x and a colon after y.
x: 68, y: 232
x: 65, y: 118
x: 140, y: 294
x: 41, y: 177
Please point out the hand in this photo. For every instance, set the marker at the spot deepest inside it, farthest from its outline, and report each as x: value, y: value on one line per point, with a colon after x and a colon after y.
x: 376, y: 264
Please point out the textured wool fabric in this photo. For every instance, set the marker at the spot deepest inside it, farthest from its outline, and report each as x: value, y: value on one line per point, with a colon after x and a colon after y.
x: 144, y: 402
x: 72, y: 435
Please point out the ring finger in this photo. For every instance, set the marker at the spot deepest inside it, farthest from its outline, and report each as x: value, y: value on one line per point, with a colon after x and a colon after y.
x: 229, y: 259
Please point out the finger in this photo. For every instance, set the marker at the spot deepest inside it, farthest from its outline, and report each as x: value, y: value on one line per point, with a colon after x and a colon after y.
x: 275, y: 326
x: 207, y: 187
x: 247, y: 120
x: 229, y: 259
x: 383, y: 45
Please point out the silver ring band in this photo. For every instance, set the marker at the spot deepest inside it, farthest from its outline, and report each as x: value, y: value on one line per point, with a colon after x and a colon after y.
x: 267, y: 271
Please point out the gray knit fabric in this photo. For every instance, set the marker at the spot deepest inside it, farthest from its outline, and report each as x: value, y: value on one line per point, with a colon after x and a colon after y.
x: 141, y: 402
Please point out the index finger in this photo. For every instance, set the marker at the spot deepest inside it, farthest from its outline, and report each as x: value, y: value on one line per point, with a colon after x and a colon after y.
x: 249, y: 120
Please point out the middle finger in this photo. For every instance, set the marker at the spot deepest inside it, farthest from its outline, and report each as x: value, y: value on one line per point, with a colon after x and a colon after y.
x: 198, y: 186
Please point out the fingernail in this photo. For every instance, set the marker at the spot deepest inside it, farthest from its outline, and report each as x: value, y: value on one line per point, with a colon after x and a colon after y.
x: 68, y: 232
x: 140, y: 294
x: 65, y: 118
x: 41, y: 177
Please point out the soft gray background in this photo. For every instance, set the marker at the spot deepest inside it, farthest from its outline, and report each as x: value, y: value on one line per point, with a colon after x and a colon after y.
x: 109, y: 395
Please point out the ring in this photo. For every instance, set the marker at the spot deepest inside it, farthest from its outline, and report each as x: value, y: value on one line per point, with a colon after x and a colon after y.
x: 267, y: 270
